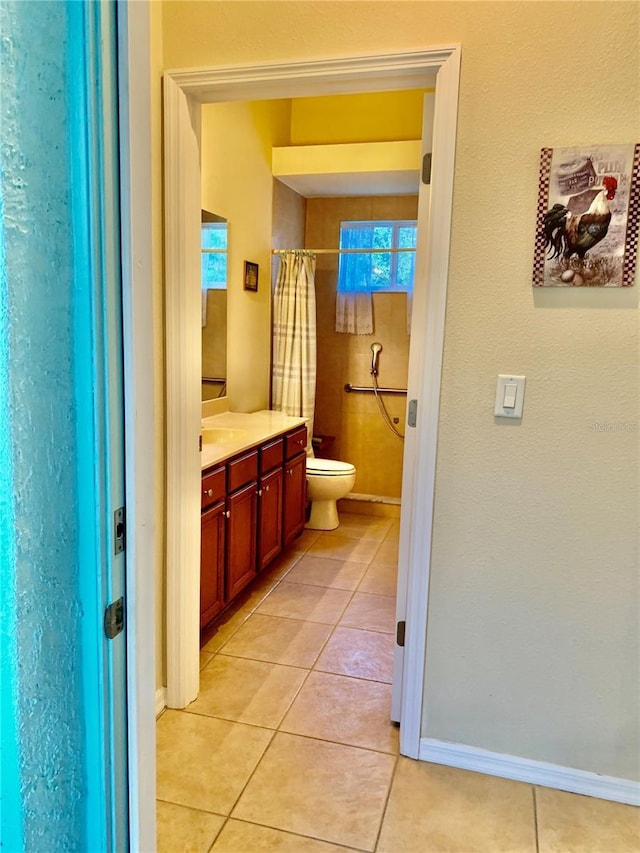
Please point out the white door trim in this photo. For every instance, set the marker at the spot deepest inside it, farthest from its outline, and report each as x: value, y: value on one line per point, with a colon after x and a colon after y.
x: 134, y: 87
x: 184, y: 91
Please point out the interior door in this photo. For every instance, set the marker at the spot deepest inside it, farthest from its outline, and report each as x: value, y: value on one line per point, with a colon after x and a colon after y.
x: 418, y: 322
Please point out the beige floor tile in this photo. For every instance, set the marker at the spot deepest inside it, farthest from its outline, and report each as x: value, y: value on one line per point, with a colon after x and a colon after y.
x: 342, y: 548
x: 394, y: 531
x: 225, y: 628
x: 310, y: 603
x: 344, y: 710
x: 358, y: 653
x: 380, y: 579
x: 302, y: 543
x: 371, y: 612
x: 241, y: 837
x: 323, y: 571
x: 570, y: 823
x: 247, y: 691
x: 282, y: 563
x: 387, y: 553
x: 184, y: 829
x: 444, y: 810
x: 325, y: 790
x: 358, y: 526
x: 205, y: 657
x: 286, y: 641
x: 204, y: 762
x: 258, y: 591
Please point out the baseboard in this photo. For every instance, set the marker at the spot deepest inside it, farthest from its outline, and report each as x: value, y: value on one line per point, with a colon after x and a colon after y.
x: 528, y: 770
x: 379, y: 505
x: 161, y: 701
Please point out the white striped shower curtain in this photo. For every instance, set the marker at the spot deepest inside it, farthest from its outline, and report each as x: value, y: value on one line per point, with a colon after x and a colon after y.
x: 294, y: 338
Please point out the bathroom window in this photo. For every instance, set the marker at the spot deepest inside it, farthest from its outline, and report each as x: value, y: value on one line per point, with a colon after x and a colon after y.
x: 386, y: 261
x: 214, y: 261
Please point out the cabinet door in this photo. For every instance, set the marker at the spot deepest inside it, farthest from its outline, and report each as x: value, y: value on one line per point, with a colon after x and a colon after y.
x: 269, y: 517
x: 295, y: 493
x: 212, y: 563
x: 241, y: 538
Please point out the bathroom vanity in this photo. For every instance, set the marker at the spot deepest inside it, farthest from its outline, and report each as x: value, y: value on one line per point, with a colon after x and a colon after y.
x: 253, y: 500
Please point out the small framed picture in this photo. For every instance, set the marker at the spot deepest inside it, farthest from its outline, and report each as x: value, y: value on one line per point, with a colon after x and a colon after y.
x: 250, y: 276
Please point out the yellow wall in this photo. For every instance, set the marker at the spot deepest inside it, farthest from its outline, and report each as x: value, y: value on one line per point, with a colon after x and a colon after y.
x: 361, y: 436
x: 370, y: 117
x: 533, y: 621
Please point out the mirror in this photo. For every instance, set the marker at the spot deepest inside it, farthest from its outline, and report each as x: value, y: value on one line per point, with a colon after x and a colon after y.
x: 214, y: 248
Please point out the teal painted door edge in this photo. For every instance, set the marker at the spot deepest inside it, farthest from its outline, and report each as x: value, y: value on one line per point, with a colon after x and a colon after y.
x: 99, y: 372
x: 63, y: 777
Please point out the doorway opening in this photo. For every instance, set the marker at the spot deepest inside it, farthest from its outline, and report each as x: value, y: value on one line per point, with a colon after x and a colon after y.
x: 185, y: 91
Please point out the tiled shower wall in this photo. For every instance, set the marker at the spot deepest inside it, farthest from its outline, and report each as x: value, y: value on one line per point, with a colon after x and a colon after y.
x: 361, y: 436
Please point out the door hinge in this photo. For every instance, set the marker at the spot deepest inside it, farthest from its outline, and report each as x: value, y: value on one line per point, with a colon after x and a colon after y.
x: 119, y: 531
x: 426, y: 169
x: 412, y: 413
x: 400, y: 629
x: 114, y: 618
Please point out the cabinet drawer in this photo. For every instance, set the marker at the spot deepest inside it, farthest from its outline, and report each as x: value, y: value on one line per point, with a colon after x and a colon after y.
x: 271, y: 455
x: 242, y: 470
x: 295, y: 442
x: 213, y: 487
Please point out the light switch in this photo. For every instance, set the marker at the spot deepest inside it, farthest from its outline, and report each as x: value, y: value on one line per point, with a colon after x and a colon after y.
x: 509, y: 396
x: 509, y: 401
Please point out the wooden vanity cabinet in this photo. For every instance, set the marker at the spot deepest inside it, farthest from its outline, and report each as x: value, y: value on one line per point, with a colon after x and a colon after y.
x: 252, y: 506
x: 212, y: 545
x: 242, y: 512
x: 270, y: 502
x: 295, y: 485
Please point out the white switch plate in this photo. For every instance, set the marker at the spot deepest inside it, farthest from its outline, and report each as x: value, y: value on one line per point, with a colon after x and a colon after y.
x: 504, y: 380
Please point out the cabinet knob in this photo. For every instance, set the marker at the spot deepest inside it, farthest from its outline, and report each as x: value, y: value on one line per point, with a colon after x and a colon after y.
x: 209, y: 493
x: 227, y: 513
x: 259, y: 492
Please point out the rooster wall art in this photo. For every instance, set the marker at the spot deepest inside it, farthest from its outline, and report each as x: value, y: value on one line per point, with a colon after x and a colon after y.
x: 588, y: 214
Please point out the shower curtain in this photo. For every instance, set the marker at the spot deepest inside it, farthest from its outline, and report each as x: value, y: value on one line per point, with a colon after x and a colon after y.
x: 294, y: 338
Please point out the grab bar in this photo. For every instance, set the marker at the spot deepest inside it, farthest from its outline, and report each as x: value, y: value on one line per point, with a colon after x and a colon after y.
x: 367, y: 389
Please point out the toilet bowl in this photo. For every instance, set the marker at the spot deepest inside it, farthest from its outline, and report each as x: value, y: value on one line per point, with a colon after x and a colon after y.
x: 327, y: 481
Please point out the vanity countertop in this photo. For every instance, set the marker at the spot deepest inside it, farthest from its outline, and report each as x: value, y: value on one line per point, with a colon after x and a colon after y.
x: 238, y: 431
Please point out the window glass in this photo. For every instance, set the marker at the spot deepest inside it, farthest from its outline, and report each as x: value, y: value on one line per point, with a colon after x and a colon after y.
x: 214, y: 264
x: 372, y: 270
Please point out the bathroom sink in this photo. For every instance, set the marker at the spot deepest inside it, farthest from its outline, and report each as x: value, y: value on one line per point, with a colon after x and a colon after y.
x: 216, y: 435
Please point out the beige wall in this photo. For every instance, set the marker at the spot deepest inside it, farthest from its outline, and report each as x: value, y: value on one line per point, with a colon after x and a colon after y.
x: 289, y: 213
x: 361, y: 436
x: 237, y: 183
x: 533, y: 622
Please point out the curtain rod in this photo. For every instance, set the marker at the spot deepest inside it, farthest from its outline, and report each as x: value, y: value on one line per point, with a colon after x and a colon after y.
x: 342, y: 251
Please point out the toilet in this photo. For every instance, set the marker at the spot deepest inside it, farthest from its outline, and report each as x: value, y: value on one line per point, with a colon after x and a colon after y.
x: 327, y: 481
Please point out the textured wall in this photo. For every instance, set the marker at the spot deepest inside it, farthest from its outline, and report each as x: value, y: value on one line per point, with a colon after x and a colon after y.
x: 361, y: 436
x: 41, y: 612
x: 532, y: 640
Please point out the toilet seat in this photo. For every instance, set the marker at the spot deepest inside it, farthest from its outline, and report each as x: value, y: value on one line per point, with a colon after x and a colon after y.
x: 329, y: 468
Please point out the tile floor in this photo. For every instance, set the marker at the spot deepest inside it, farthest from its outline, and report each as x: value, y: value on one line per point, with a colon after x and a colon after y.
x: 289, y: 749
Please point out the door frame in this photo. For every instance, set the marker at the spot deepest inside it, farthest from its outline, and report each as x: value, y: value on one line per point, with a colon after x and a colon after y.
x: 184, y: 92
x: 136, y: 210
